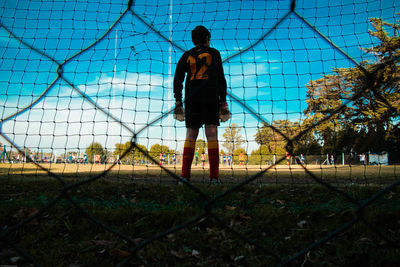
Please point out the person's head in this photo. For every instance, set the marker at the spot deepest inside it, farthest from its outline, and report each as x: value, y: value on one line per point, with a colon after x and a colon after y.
x: 201, y: 36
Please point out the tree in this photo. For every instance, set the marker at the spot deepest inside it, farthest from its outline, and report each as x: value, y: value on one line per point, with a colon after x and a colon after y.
x: 95, y: 148
x: 376, y: 86
x: 238, y: 151
x: 363, y: 102
x: 133, y: 155
x: 233, y: 138
x: 273, y: 139
x: 157, y: 149
x: 137, y: 154
x: 261, y: 155
x: 324, y: 97
x: 200, y: 146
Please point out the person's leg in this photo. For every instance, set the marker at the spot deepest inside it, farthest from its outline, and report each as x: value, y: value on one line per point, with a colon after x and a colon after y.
x: 188, y: 151
x: 213, y: 150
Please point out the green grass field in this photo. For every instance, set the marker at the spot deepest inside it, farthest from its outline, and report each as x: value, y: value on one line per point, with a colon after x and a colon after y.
x: 272, y: 221
x: 275, y: 174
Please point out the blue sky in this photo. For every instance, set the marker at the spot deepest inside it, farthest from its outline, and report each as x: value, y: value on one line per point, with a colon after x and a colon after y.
x: 128, y: 72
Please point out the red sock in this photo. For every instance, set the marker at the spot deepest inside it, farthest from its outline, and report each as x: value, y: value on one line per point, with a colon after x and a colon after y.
x: 188, y: 152
x: 213, y: 158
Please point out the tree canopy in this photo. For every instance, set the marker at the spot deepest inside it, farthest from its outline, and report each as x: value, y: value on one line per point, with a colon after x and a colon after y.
x: 95, y: 148
x: 362, y: 102
x: 351, y: 109
x: 233, y: 138
x: 133, y: 155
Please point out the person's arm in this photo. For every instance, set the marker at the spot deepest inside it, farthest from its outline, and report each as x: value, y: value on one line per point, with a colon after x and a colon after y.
x: 224, y: 113
x: 221, y: 80
x: 178, y: 79
x: 179, y: 112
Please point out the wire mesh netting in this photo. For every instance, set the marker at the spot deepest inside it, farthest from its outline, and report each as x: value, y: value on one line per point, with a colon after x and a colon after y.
x: 87, y: 96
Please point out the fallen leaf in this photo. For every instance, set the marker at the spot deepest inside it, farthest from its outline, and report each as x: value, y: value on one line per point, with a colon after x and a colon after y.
x: 25, y: 213
x: 301, y: 223
x: 230, y: 208
x: 102, y: 242
x: 179, y: 254
x: 15, y: 259
x: 137, y: 240
x: 282, y: 202
x: 32, y: 211
x: 223, y: 233
x: 195, y: 253
x: 245, y: 217
x: 120, y: 252
x: 238, y: 258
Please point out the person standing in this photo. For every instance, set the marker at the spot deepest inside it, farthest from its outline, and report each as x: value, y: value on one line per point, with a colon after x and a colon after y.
x: 241, y: 159
x: 205, y: 99
x: 196, y: 157
x: 174, y: 158
x: 288, y: 157
x: 203, y: 158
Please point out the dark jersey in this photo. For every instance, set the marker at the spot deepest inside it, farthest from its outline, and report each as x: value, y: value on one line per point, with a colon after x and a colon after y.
x: 205, y: 86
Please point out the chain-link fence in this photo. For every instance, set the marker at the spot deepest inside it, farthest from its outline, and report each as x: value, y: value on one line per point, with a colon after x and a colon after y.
x: 80, y: 73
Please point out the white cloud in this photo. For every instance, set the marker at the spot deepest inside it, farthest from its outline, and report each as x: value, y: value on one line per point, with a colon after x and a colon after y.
x: 65, y: 121
x: 125, y: 82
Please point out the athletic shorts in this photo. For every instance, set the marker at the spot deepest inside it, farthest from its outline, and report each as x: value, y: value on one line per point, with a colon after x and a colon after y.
x: 199, y: 113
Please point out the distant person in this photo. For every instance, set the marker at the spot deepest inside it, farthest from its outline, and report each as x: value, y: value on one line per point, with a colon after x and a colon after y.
x: 288, y: 156
x: 302, y: 159
x: 174, y: 158
x: 196, y: 158
x: 203, y: 158
x: 362, y: 158
x: 229, y: 159
x: 241, y: 159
